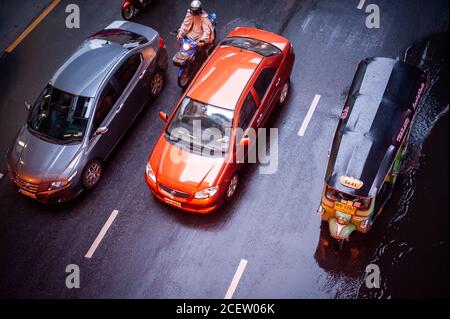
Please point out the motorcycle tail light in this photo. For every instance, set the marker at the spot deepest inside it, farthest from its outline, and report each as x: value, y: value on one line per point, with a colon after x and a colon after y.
x: 126, y: 5
x: 162, y: 44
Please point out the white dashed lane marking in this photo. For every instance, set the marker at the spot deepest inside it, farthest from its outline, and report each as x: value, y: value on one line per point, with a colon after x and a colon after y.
x: 236, y: 278
x: 309, y: 115
x: 102, y: 234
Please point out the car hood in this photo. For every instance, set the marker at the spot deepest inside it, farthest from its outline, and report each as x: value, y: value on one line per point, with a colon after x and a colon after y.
x: 33, y: 158
x: 183, y: 170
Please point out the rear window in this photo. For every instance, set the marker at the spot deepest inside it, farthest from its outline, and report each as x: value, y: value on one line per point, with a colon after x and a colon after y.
x: 260, y: 47
x: 127, y: 39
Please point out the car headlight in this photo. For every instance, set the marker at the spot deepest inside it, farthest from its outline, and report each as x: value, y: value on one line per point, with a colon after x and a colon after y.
x: 150, y: 173
x: 62, y: 183
x: 57, y: 185
x: 207, y: 193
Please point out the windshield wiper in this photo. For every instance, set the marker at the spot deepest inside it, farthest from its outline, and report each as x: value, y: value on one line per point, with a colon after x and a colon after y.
x: 42, y: 135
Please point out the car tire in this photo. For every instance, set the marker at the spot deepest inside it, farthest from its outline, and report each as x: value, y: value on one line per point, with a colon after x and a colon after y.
x: 231, y: 188
x: 157, y: 84
x: 92, y: 174
x: 284, y: 93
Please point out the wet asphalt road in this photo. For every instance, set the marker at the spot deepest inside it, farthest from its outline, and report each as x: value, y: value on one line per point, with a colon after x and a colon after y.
x: 154, y: 251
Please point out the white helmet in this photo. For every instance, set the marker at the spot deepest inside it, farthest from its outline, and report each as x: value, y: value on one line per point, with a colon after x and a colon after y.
x: 196, y: 7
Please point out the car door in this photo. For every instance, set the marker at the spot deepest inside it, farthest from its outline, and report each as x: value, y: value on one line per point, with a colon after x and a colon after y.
x: 247, y: 122
x: 131, y: 82
x: 105, y: 116
x: 268, y: 87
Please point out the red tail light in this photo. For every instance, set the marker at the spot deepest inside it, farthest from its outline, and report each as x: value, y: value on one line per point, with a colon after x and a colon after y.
x: 162, y: 44
x: 126, y: 5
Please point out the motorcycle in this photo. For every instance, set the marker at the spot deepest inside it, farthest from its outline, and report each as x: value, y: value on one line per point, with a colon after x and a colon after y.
x: 188, y: 59
x: 130, y: 8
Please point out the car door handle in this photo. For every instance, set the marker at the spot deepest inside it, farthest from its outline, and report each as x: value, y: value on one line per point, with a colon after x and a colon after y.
x: 120, y: 108
x: 278, y: 82
x: 142, y: 74
x: 259, y: 118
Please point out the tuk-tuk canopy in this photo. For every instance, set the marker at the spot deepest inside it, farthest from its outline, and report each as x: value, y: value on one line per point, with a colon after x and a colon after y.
x: 375, y: 121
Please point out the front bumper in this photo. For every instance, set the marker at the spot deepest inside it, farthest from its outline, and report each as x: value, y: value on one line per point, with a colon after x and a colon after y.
x: 191, y: 205
x: 50, y: 197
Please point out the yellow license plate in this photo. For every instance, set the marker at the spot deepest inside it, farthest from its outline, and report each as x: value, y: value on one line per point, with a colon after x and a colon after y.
x: 24, y: 192
x: 172, y: 202
x: 344, y: 208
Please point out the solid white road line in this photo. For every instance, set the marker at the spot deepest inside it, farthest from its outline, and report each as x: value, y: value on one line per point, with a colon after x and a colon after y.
x: 361, y: 4
x: 309, y: 115
x: 101, y: 234
x: 236, y: 278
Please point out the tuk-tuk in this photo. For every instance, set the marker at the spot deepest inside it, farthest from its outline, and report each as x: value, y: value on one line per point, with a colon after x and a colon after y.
x: 369, y: 144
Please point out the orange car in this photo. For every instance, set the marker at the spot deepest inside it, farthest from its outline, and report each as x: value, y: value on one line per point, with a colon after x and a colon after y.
x: 194, y: 163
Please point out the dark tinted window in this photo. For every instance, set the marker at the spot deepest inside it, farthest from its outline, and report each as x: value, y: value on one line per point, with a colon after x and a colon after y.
x: 263, y: 82
x: 104, y: 106
x: 248, y: 110
x: 128, y: 40
x: 260, y: 47
x: 60, y: 116
x: 127, y: 71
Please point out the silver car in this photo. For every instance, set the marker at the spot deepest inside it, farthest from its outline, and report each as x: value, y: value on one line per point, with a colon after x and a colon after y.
x: 84, y: 111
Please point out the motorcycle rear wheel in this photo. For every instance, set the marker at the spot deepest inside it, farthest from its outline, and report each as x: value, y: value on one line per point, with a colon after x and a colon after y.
x: 129, y: 14
x: 184, y: 79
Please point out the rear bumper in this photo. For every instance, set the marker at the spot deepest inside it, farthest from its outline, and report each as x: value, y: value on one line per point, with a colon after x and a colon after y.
x: 338, y: 231
x: 191, y: 205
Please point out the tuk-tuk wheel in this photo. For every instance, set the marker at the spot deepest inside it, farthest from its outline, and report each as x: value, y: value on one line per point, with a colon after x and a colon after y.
x: 341, y: 244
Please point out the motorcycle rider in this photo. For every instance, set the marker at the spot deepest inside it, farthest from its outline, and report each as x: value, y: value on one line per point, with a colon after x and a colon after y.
x: 196, y: 25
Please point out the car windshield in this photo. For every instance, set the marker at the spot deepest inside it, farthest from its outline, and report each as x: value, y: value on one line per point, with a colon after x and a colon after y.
x: 361, y: 203
x: 201, y: 127
x: 60, y: 116
x: 128, y: 40
x: 260, y: 47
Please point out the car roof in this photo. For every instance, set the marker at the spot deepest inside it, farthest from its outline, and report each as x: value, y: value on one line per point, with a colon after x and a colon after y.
x: 224, y: 77
x: 83, y: 73
x: 381, y: 104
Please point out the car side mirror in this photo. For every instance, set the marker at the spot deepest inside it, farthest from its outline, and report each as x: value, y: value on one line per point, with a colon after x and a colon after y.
x: 27, y: 106
x: 101, y: 130
x: 245, y: 141
x: 163, y: 116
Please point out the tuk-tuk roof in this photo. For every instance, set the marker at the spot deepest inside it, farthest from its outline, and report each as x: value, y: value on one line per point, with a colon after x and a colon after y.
x: 376, y: 118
